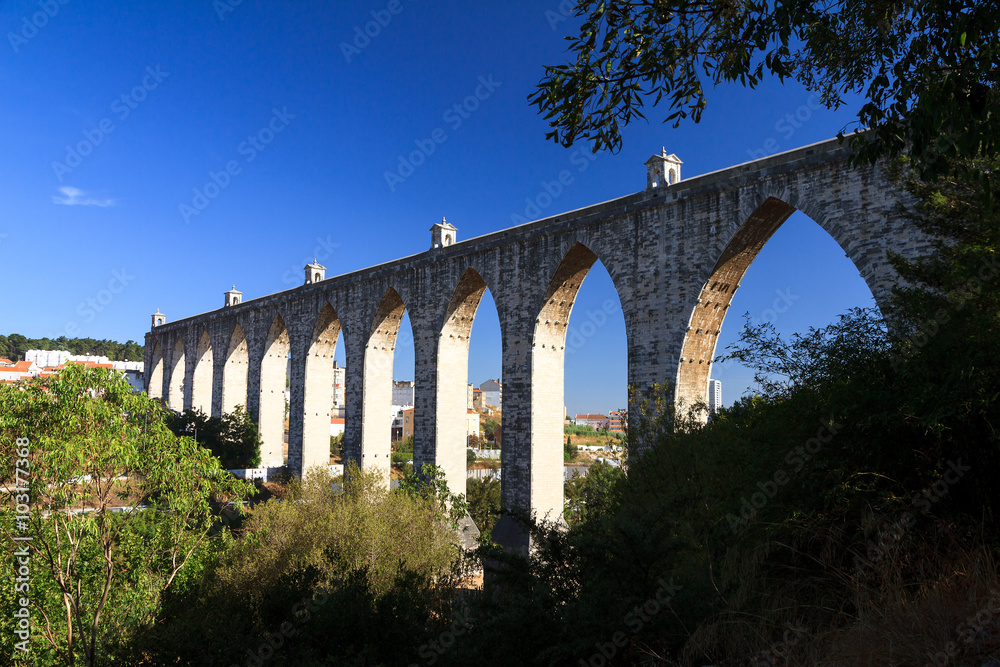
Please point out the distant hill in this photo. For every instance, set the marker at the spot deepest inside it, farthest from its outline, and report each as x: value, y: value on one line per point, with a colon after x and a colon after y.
x: 15, y: 345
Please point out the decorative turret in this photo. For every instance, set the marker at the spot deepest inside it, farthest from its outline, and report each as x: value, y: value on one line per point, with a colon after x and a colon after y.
x: 443, y: 234
x: 158, y: 318
x: 315, y: 272
x: 663, y: 170
x: 233, y: 297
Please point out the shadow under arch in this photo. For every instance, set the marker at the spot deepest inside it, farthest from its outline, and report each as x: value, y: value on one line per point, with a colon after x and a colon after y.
x: 175, y: 390
x: 235, y: 371
x: 548, y: 381
x: 716, y: 295
x: 273, y: 376
x: 318, y: 388
x: 452, y: 394
x: 155, y: 389
x: 201, y: 379
x: 380, y: 348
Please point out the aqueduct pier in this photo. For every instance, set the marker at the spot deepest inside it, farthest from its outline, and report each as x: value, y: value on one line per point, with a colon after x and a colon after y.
x: 676, y: 253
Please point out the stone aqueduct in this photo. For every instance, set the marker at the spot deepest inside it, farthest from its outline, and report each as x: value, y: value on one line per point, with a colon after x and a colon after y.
x: 676, y: 253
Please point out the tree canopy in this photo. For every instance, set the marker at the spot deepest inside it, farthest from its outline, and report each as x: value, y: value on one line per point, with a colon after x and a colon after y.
x: 15, y: 345
x: 928, y: 70
x: 115, y: 509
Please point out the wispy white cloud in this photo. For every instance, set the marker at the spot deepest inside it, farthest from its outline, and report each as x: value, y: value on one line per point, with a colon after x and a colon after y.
x: 76, y: 197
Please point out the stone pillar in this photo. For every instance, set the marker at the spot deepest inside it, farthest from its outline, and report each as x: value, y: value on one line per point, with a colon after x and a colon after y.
x: 318, y: 387
x: 515, y: 444
x: 273, y: 368
x: 218, y: 378
x: 296, y: 409
x: 354, y: 377
x: 235, y: 370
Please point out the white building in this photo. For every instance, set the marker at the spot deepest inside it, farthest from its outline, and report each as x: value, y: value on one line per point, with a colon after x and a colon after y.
x: 339, y: 383
x: 714, y: 396
x: 492, y: 393
x: 402, y: 392
x: 49, y: 358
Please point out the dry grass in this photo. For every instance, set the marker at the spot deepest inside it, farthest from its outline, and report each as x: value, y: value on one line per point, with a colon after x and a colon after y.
x: 928, y: 599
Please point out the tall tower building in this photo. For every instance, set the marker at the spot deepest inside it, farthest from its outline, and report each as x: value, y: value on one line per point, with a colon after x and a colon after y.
x: 714, y: 396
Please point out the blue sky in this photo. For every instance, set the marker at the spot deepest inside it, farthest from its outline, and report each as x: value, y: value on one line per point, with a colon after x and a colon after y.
x: 118, y: 121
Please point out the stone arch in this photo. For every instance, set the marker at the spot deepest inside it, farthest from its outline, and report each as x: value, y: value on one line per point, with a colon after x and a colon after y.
x: 716, y: 295
x: 451, y: 420
x: 175, y: 390
x: 376, y: 425
x: 319, y: 381
x: 235, y: 371
x: 273, y: 375
x: 547, y: 380
x: 155, y: 389
x: 201, y: 378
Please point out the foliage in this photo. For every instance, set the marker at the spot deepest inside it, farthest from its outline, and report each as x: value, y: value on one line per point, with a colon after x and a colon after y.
x: 233, y: 438
x: 928, y: 70
x: 488, y: 428
x: 337, y: 446
x: 474, y: 441
x: 574, y: 429
x: 595, y: 494
x: 401, y: 457
x: 403, y: 444
x: 569, y: 450
x: 430, y: 485
x: 470, y: 456
x: 484, y: 502
x: 15, y: 345
x: 97, y: 573
x: 358, y: 576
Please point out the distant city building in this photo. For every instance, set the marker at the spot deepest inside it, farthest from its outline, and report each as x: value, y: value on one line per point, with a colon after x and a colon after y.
x: 597, y: 422
x: 617, y: 420
x: 492, y: 393
x: 339, y: 382
x: 407, y: 423
x: 336, y: 426
x: 402, y: 392
x: 473, y: 424
x: 477, y: 400
x: 19, y: 371
x: 47, y: 362
x: 50, y: 358
x: 714, y: 396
